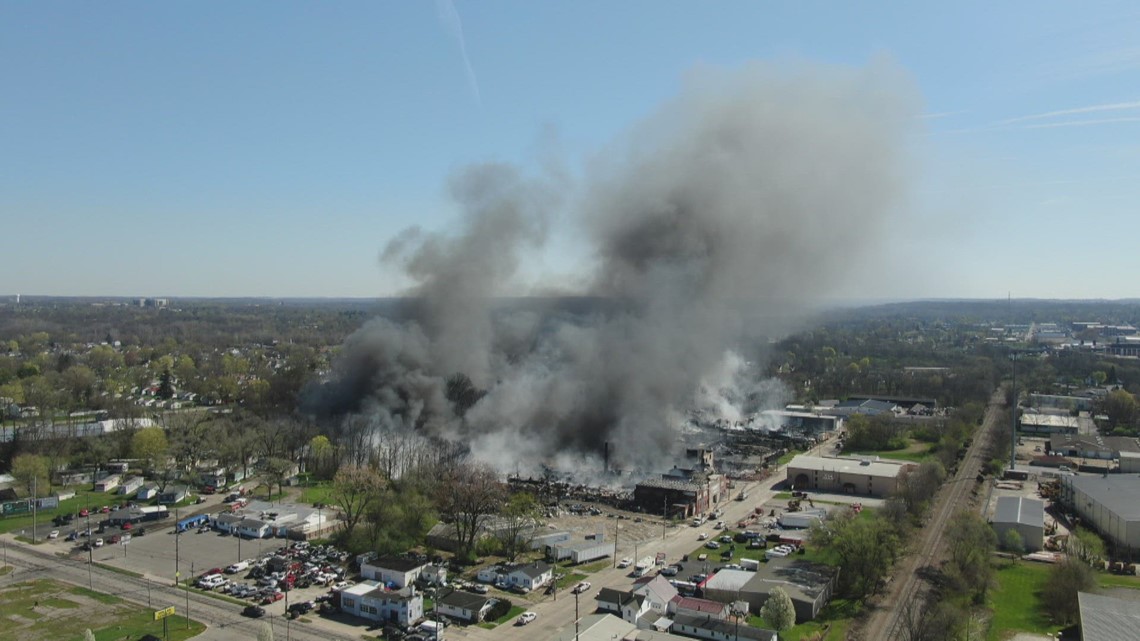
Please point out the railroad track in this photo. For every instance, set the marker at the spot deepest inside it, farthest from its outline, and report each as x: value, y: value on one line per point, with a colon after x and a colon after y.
x: 886, y: 624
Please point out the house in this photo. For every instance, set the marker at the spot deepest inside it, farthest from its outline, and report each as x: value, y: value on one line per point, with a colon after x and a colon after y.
x: 658, y: 592
x: 710, y: 627
x: 695, y: 607
x: 131, y: 485
x: 253, y: 529
x: 227, y: 522
x: 1023, y: 515
x: 489, y: 574
x: 531, y: 575
x: 463, y: 606
x: 433, y: 575
x: 369, y: 600
x: 650, y: 600
x: 1105, y: 618
x: 174, y: 494
x: 214, y: 477
x: 610, y: 600
x: 147, y: 491
x: 398, y: 571
x: 108, y: 483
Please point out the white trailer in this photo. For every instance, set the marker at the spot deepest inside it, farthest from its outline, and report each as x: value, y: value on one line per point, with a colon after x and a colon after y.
x: 581, y: 552
x: 643, y: 566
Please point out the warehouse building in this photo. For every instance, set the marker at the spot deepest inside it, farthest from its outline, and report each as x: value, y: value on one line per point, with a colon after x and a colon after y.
x: 1023, y: 515
x: 809, y: 585
x: 1110, y: 503
x: 868, y: 475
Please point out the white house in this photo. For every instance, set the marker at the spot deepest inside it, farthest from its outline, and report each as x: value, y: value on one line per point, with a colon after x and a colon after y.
x: 489, y: 574
x: 400, y: 571
x: 369, y: 600
x: 253, y: 529
x: 107, y: 483
x: 463, y: 606
x: 434, y: 575
x: 658, y: 592
x: 131, y: 485
x: 147, y: 491
x: 530, y: 575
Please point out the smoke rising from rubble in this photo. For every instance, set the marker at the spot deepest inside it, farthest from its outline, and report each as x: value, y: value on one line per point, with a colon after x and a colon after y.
x: 751, y: 190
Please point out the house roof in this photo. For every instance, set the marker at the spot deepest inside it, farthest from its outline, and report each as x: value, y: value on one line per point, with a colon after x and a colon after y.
x: 532, y: 570
x: 463, y: 600
x: 1105, y: 618
x: 660, y: 587
x: 701, y: 605
x: 724, y: 628
x: 802, y: 580
x: 1020, y: 509
x: 610, y: 595
x: 670, y: 484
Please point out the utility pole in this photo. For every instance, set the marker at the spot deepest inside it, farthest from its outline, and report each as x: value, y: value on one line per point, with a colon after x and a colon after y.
x: 177, y: 537
x: 575, y: 615
x: 188, y: 596
x: 1013, y: 412
x: 664, y: 515
x: 35, y: 491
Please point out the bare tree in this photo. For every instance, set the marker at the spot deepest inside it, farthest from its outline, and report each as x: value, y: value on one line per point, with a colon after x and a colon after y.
x: 353, y: 488
x: 518, y: 524
x: 468, y: 495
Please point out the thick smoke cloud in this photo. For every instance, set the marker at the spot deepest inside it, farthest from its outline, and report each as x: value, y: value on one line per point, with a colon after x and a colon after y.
x: 752, y: 191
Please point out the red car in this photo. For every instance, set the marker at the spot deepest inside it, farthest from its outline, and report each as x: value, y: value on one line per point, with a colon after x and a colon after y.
x: 83, y: 512
x: 128, y: 526
x: 272, y: 598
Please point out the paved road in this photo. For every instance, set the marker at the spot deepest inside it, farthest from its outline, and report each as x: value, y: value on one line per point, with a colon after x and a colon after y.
x: 224, y: 619
x: 558, y: 615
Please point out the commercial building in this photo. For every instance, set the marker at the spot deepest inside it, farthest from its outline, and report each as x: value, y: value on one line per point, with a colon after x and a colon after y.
x: 1110, y: 503
x: 1023, y: 515
x: 810, y: 585
x: 867, y: 475
x: 1030, y: 423
x: 369, y: 600
x: 1105, y: 618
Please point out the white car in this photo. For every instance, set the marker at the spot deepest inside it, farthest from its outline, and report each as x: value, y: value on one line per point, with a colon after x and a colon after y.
x: 54, y: 534
x: 581, y: 587
x: 625, y: 563
x: 237, y: 567
x: 525, y: 618
x: 98, y: 543
x: 702, y: 536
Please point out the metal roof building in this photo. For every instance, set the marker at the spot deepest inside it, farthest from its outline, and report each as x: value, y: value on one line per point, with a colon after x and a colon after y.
x: 866, y: 475
x: 1023, y: 515
x: 1105, y: 618
x: 1109, y: 503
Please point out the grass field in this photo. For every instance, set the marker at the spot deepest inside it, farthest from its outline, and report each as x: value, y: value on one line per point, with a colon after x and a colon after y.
x: 320, y: 492
x: 45, y: 610
x: 915, y: 451
x: 570, y: 579
x: 1015, y: 603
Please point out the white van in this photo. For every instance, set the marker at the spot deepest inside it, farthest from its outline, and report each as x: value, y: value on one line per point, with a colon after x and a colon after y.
x: 237, y: 567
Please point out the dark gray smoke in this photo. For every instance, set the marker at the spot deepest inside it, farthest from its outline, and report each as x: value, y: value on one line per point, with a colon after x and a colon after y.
x: 752, y: 190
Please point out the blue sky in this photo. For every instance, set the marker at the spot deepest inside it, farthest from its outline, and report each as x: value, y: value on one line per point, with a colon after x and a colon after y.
x: 273, y: 148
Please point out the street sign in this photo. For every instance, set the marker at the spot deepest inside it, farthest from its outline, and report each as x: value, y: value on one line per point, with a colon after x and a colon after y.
x: 162, y: 614
x: 125, y: 539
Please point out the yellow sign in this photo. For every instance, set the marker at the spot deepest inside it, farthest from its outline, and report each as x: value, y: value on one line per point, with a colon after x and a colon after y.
x: 162, y: 614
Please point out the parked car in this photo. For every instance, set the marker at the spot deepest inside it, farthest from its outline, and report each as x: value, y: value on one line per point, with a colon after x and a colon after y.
x: 273, y: 597
x: 581, y: 587
x: 480, y: 589
x: 712, y: 545
x: 54, y: 534
x: 525, y: 618
x: 702, y: 536
x: 625, y: 563
x: 98, y: 543
x: 128, y: 526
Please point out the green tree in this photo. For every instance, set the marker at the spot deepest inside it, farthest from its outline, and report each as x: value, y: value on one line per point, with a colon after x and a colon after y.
x: 519, y: 522
x: 1059, y: 595
x: 1085, y: 545
x: 275, y: 472
x: 321, y: 461
x: 31, y: 471
x: 865, y: 549
x: 778, y: 611
x: 166, y: 385
x: 1120, y: 407
x: 972, y: 543
x: 1012, y: 542
x: 150, y: 445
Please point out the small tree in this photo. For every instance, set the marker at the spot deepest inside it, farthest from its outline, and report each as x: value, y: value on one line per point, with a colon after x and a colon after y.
x: 1059, y: 595
x: 150, y: 444
x: 265, y: 633
x: 88, y: 635
x: 1011, y: 541
x: 31, y: 472
x: 778, y: 610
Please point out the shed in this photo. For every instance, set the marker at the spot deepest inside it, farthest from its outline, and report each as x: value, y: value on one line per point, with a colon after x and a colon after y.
x: 1023, y: 515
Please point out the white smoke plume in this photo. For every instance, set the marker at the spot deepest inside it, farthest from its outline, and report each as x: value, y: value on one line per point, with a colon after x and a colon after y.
x: 750, y: 194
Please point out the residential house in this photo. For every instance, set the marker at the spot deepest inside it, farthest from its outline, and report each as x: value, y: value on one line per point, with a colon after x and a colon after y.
x: 369, y: 600
x: 173, y: 494
x: 809, y: 585
x: 530, y: 575
x: 214, y: 477
x: 710, y: 627
x: 147, y: 491
x: 700, y: 607
x: 398, y: 571
x: 254, y: 529
x: 433, y: 575
x: 108, y: 483
x: 650, y: 600
x: 463, y: 606
x: 131, y: 485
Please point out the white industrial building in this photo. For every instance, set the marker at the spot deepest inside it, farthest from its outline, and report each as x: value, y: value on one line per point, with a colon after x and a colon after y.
x: 1111, y: 504
x: 1023, y: 515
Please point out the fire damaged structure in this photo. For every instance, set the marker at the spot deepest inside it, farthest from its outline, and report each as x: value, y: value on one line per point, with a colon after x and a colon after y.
x: 683, y: 492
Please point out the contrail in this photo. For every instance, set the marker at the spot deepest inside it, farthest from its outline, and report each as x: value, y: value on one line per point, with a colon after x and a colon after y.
x: 451, y: 22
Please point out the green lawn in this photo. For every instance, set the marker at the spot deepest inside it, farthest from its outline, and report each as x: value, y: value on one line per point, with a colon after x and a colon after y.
x: 1117, y: 581
x: 45, y: 610
x: 787, y: 457
x: 320, y: 492
x: 570, y: 579
x: 510, y: 615
x: 916, y: 451
x: 1015, y: 603
x: 594, y: 567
